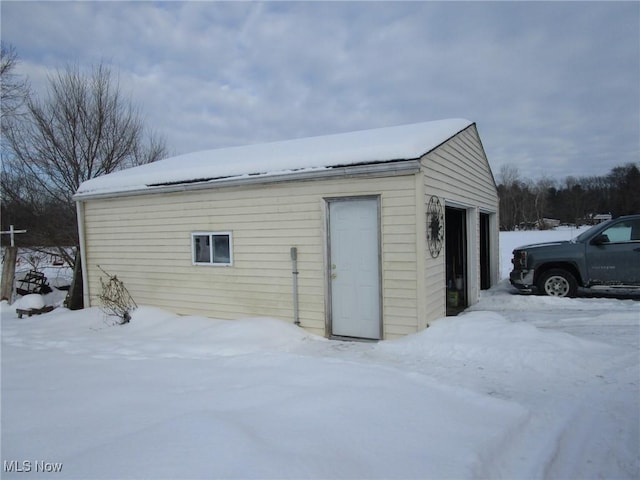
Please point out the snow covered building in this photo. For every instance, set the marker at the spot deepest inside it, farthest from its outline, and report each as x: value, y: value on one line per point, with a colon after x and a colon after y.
x: 370, y: 234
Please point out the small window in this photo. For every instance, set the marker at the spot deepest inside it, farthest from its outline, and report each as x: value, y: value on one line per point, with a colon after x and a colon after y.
x: 212, y: 248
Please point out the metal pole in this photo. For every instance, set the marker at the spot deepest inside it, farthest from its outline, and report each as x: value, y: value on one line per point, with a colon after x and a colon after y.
x: 294, y: 266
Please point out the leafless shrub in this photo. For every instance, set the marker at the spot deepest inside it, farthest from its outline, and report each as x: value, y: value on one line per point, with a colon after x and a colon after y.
x: 116, y: 299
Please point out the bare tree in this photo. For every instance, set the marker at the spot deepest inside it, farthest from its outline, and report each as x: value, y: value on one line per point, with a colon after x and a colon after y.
x: 510, y: 189
x: 14, y: 90
x: 541, y: 196
x: 83, y: 128
x: 574, y: 200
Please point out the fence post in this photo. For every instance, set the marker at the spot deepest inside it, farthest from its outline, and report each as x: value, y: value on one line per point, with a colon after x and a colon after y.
x: 8, y: 273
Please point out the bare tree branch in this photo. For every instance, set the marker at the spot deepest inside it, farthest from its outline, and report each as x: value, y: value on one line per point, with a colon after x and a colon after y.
x: 13, y: 90
x: 82, y: 128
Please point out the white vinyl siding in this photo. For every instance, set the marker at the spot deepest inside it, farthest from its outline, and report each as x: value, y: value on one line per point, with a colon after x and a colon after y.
x: 459, y: 174
x: 458, y: 171
x: 146, y: 241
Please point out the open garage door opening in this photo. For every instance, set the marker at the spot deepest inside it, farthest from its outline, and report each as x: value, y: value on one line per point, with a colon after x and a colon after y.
x: 456, y: 259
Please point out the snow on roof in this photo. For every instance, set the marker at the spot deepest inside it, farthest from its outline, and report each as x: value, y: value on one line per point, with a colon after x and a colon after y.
x: 404, y: 142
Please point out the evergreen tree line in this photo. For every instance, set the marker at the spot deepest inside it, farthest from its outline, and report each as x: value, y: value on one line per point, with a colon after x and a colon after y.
x: 576, y: 200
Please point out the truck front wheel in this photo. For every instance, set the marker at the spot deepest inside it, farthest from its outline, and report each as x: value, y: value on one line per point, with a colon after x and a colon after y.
x: 557, y: 283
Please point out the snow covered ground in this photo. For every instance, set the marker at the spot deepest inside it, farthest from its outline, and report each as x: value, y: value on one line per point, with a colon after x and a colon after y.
x: 516, y: 387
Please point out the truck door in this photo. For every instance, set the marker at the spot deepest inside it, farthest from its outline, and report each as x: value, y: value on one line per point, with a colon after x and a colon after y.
x: 613, y: 257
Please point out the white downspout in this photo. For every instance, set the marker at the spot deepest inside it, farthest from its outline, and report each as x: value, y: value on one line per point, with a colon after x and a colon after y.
x: 83, y: 254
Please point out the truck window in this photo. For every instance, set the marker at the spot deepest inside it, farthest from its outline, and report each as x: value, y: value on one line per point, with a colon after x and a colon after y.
x: 623, y: 232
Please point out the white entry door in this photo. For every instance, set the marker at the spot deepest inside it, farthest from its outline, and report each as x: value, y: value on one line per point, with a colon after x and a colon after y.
x: 354, y: 268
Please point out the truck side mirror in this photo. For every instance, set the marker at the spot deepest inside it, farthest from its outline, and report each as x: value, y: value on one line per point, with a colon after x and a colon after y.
x: 601, y: 239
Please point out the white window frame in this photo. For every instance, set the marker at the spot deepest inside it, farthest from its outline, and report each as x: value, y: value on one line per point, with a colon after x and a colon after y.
x: 209, y: 234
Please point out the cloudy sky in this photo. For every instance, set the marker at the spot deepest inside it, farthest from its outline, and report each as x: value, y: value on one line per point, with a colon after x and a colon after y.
x: 553, y: 87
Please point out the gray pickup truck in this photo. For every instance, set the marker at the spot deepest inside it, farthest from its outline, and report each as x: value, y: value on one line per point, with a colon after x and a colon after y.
x: 607, y: 256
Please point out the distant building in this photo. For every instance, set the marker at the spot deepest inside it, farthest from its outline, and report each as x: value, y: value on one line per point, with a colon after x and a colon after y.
x: 600, y: 217
x: 594, y: 219
x: 547, y: 223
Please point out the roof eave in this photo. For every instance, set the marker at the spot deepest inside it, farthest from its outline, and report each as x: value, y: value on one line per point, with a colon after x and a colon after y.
x: 383, y: 169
